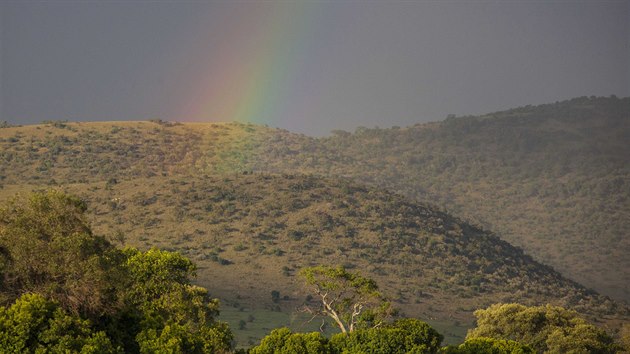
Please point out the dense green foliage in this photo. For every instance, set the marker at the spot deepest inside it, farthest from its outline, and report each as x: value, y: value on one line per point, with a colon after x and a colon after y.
x: 175, y: 315
x: 402, y: 336
x: 36, y: 325
x: 48, y: 248
x: 283, y: 341
x: 91, y: 297
x: 503, y: 329
x: 481, y: 345
x: 545, y: 328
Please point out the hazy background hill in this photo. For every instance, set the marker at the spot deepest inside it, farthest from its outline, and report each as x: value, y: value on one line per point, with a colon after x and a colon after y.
x: 553, y: 179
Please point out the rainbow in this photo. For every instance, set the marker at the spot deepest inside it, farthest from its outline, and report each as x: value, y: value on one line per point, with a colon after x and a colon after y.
x: 254, y: 72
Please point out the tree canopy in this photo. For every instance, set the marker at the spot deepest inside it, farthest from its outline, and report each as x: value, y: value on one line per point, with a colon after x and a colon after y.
x: 284, y: 341
x: 544, y: 328
x: 70, y: 290
x: 174, y: 313
x: 47, y: 247
x: 482, y: 345
x: 407, y: 335
x: 35, y: 325
x: 349, y: 299
x: 402, y: 336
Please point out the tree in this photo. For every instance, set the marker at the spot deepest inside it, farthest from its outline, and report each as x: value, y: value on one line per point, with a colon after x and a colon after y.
x: 275, y: 296
x: 402, y: 336
x: 144, y: 301
x: 407, y: 335
x: 47, y: 247
x: 481, y: 345
x: 580, y: 337
x: 283, y: 341
x: 350, y: 300
x: 36, y: 325
x: 183, y: 338
x: 543, y: 328
x: 173, y: 314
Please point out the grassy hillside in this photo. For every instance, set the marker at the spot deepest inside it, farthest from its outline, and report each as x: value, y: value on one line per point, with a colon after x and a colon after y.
x: 553, y: 179
x: 250, y: 233
x: 189, y: 187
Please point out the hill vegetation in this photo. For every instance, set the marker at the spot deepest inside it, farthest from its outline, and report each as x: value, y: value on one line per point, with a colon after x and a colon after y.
x: 129, y: 301
x: 261, y: 229
x: 256, y: 204
x: 553, y: 179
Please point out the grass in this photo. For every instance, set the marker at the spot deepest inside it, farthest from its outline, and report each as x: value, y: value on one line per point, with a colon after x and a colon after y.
x: 260, y: 322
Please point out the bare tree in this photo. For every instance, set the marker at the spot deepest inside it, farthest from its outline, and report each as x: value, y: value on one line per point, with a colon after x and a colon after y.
x: 350, y: 300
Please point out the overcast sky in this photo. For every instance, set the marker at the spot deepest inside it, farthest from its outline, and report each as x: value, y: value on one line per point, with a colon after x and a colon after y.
x: 308, y: 67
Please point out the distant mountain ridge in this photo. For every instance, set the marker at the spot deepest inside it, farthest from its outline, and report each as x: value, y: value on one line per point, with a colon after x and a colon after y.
x: 553, y: 179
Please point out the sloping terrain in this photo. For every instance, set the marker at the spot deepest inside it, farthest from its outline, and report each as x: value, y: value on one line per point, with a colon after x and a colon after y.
x: 250, y: 233
x: 553, y: 179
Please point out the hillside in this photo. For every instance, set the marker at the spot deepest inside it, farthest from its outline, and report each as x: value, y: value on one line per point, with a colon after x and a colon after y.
x: 553, y: 179
x: 249, y: 234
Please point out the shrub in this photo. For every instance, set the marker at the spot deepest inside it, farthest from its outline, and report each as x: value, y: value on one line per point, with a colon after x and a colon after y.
x: 403, y: 336
x: 283, y: 341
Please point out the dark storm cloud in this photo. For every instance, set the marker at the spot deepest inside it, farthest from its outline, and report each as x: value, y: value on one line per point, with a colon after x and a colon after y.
x: 370, y: 63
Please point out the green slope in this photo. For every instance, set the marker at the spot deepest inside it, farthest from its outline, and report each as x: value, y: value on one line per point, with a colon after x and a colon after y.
x: 250, y: 233
x: 553, y: 179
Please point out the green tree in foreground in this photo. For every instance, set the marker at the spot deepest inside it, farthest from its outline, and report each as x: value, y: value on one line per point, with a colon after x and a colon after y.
x: 36, y: 325
x: 350, y: 300
x: 138, y: 301
x: 47, y: 247
x: 481, y: 345
x: 544, y: 328
x: 283, y: 341
x: 174, y: 315
x: 403, y: 336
